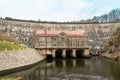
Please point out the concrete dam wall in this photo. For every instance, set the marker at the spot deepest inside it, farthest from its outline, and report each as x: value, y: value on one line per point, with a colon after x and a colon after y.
x: 24, y: 31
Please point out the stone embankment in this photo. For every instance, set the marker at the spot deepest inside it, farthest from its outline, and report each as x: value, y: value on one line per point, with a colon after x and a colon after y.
x: 16, y: 59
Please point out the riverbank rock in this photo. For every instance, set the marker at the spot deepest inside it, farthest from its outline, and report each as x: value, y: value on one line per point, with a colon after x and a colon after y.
x: 112, y: 46
x: 114, y: 56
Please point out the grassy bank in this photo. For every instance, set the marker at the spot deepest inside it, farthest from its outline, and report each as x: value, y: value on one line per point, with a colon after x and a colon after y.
x: 10, y: 79
x: 9, y: 46
x: 9, y: 43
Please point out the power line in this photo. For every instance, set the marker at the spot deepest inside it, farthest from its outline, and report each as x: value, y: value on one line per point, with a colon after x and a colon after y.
x: 88, y: 7
x: 96, y: 7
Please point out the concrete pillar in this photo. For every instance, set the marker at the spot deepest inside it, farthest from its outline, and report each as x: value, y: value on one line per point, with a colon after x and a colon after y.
x: 43, y: 52
x: 40, y: 51
x: 74, y: 53
x: 53, y: 53
x: 86, y: 53
x: 64, y: 53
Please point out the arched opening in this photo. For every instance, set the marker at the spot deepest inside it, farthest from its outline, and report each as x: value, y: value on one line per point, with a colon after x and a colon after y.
x: 58, y: 53
x: 49, y: 56
x: 79, y: 53
x: 69, y: 53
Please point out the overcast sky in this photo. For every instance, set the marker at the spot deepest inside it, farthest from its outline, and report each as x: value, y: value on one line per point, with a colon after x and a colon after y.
x: 56, y: 10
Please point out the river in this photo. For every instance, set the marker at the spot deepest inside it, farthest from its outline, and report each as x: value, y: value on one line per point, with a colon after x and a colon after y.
x: 72, y: 69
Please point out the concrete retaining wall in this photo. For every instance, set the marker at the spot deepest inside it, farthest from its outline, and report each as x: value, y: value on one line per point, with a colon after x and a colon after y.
x: 12, y: 61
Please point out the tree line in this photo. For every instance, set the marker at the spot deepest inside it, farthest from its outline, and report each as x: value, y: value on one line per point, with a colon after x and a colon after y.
x: 111, y: 17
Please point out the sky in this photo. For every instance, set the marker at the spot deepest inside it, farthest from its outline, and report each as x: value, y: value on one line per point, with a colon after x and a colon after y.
x: 56, y: 10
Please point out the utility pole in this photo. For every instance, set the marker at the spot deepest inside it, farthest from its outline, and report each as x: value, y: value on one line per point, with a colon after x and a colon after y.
x: 45, y: 41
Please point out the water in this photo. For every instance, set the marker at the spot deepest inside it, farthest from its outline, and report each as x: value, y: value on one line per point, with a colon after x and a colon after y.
x: 72, y: 69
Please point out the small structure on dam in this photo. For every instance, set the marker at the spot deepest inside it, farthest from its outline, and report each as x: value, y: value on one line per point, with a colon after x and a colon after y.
x: 61, y: 44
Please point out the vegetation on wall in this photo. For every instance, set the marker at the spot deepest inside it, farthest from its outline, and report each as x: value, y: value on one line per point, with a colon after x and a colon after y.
x: 115, y: 38
x: 4, y: 37
x: 9, y: 43
x: 9, y: 46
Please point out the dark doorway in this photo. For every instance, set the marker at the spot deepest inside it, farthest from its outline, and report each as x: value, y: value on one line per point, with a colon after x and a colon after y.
x: 69, y: 53
x: 58, y: 53
x: 79, y: 53
x: 49, y: 56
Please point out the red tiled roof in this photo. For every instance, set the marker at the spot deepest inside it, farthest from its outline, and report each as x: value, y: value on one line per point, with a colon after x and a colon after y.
x: 56, y: 33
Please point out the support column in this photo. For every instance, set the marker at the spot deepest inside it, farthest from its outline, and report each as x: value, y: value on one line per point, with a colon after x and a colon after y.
x: 53, y: 53
x: 40, y: 52
x: 74, y: 53
x: 43, y: 52
x: 86, y: 53
x: 64, y: 53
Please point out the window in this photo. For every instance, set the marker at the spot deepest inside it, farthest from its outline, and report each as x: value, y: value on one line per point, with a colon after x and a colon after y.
x: 42, y: 44
x: 82, y: 43
x: 63, y: 44
x: 37, y: 44
x: 42, y: 38
x: 62, y: 41
x: 49, y: 44
x: 77, y: 43
x: 70, y: 43
x: 54, y: 38
x: 54, y: 44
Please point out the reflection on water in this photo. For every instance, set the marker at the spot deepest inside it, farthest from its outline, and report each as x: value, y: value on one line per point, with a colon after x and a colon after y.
x: 72, y: 69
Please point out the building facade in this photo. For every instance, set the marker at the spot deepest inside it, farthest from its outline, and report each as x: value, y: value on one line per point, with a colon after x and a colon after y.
x: 61, y: 43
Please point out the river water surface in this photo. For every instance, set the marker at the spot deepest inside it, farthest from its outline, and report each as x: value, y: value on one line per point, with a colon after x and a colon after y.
x: 72, y: 69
